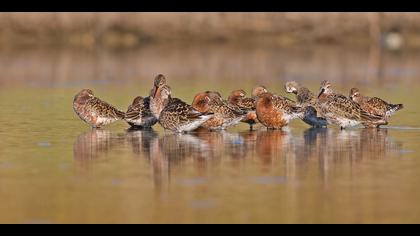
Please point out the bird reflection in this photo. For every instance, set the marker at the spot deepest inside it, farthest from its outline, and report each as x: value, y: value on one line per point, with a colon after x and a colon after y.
x: 293, y: 152
x: 376, y: 144
x: 94, y: 144
x: 141, y: 141
x: 171, y: 151
x: 354, y: 145
x: 199, y: 150
x: 347, y: 147
x: 224, y: 144
x: 272, y: 145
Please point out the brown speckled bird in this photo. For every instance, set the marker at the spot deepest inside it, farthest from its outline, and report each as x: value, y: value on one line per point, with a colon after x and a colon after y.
x: 306, y: 99
x: 94, y: 111
x: 139, y: 115
x: 258, y: 90
x: 176, y: 115
x: 238, y: 98
x: 340, y: 110
x: 374, y: 106
x: 225, y: 114
x: 304, y: 96
x: 155, y: 104
x: 275, y: 112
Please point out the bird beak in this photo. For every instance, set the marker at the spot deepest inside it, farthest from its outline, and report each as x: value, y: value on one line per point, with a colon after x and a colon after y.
x: 155, y: 89
x: 322, y: 91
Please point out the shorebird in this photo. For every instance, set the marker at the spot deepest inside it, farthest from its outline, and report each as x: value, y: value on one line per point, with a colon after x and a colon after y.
x: 238, y: 98
x: 257, y: 91
x: 155, y: 104
x: 225, y: 114
x: 340, y: 110
x: 375, y: 106
x: 275, y: 111
x: 304, y: 96
x: 306, y: 99
x: 174, y: 114
x: 94, y: 111
x: 139, y: 115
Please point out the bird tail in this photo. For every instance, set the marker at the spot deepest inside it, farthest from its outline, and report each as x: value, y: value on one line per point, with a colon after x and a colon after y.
x: 120, y: 114
x: 392, y: 108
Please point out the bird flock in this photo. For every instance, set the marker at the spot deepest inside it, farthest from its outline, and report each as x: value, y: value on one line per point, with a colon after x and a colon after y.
x: 209, y: 111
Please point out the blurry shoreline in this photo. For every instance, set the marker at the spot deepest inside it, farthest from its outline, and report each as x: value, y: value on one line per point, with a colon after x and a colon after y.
x: 129, y: 30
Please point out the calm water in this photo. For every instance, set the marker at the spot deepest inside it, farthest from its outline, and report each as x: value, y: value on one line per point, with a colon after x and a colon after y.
x: 55, y: 169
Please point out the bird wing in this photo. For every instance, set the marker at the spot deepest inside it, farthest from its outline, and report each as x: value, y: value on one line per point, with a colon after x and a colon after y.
x: 344, y: 107
x: 183, y: 110
x: 378, y: 106
x: 305, y: 96
x: 138, y: 110
x: 286, y: 105
x: 247, y: 104
x: 106, y: 109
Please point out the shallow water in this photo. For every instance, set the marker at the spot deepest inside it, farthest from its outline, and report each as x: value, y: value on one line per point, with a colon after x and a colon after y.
x: 55, y: 169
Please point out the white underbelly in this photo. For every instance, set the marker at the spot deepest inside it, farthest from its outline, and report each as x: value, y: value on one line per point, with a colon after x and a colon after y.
x: 194, y: 125
x: 343, y: 122
x: 105, y: 121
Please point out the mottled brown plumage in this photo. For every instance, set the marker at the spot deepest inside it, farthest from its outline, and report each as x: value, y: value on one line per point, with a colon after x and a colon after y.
x: 139, y: 115
x: 340, y: 110
x: 176, y: 115
x: 155, y: 104
x: 238, y: 98
x: 304, y: 96
x: 258, y: 90
x: 306, y: 99
x: 275, y: 112
x: 374, y: 106
x: 94, y: 111
x: 225, y: 114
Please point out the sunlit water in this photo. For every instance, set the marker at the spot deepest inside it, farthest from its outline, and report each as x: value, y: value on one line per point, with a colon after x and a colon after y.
x: 55, y: 169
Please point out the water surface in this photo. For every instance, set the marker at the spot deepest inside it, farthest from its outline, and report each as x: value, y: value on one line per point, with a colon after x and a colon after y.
x: 55, y: 169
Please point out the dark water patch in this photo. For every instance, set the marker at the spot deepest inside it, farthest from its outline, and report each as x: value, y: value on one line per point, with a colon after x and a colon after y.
x: 117, y: 182
x: 44, y: 144
x: 269, y: 179
x: 406, y: 151
x: 192, y: 182
x: 6, y: 165
x: 203, y: 204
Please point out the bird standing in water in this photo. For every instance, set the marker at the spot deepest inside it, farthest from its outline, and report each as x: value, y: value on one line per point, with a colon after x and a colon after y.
x: 275, y: 112
x: 374, y: 106
x: 340, y: 110
x: 94, y: 111
x: 238, y: 98
x: 139, y: 115
x: 225, y: 114
x: 307, y: 100
x: 155, y: 103
x: 174, y: 114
